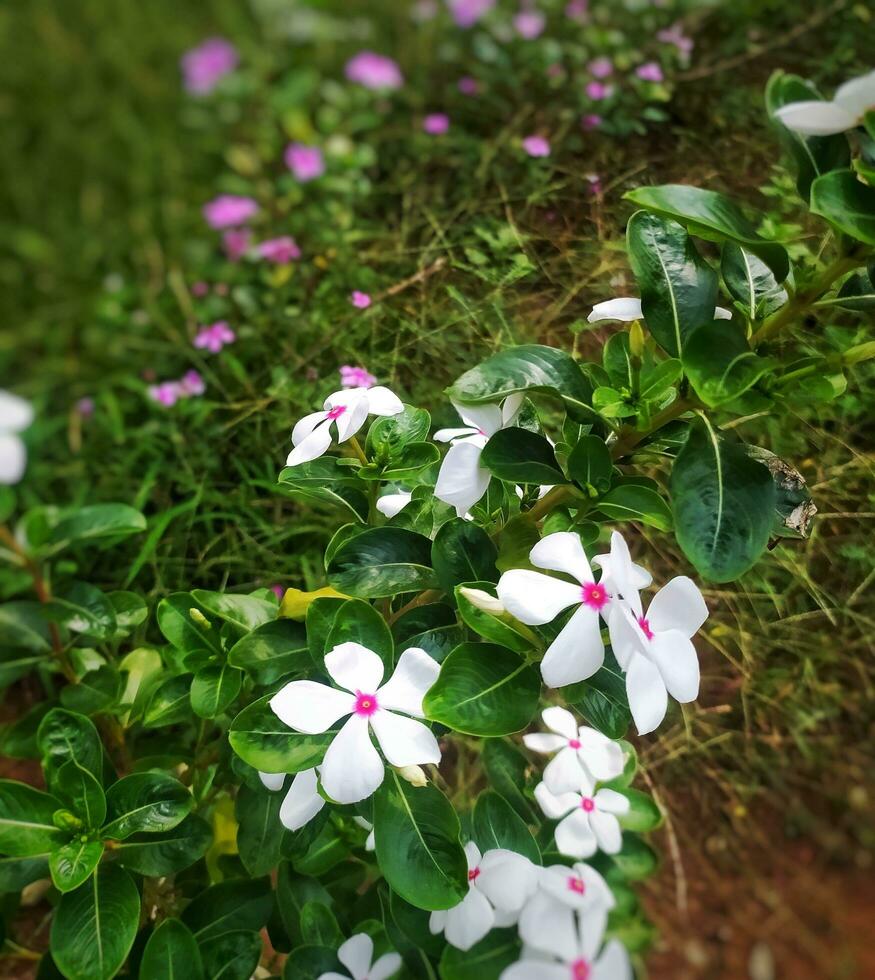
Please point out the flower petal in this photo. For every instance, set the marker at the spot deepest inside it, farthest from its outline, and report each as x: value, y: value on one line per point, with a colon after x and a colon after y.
x: 555, y: 805
x: 613, y: 963
x: 602, y: 756
x: 405, y: 741
x: 575, y: 837
x: 544, y: 743
x: 676, y: 658
x: 535, y: 970
x: 678, y: 606
x: 646, y: 692
x: 414, y: 674
x: 387, y: 965
x: 507, y: 879
x: 353, y: 418
x: 302, y: 802
x: 547, y: 925
x: 534, y: 598
x: 356, y: 955
x: 306, y: 425
x: 562, y: 552
x: 564, y: 773
x: 624, y: 308
x: 354, y: 667
x: 611, y: 801
x: 510, y: 407
x: 312, y: 447
x: 310, y: 707
x: 486, y: 419
x: 816, y: 118
x: 462, y: 481
x: 352, y: 768
x: 560, y: 720
x: 472, y: 855
x: 391, y: 504
x: 437, y: 922
x: 447, y: 435
x: 721, y: 313
x: 16, y: 413
x: 469, y: 921
x: 577, y: 652
x: 13, y: 458
x: 272, y: 780
x: 620, y: 575
x: 626, y: 637
x: 381, y: 401
x: 607, y: 832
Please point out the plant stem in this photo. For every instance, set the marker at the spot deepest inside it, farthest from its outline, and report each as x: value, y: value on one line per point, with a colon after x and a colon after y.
x: 541, y: 508
x: 356, y: 447
x: 423, y: 599
x: 629, y: 438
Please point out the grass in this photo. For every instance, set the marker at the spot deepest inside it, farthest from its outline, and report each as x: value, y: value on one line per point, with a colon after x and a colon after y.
x: 469, y: 246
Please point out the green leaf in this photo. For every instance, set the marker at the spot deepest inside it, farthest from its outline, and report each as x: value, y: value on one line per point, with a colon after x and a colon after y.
x: 130, y: 611
x: 310, y: 963
x: 486, y: 960
x: 628, y: 502
x: 656, y: 379
x: 325, y: 851
x: 857, y: 292
x: 750, y: 282
x: 259, y: 831
x: 711, y: 216
x: 358, y: 622
x: 678, y: 287
x: 81, y: 791
x: 17, y: 873
x: 293, y: 891
x: 723, y: 503
x: 95, y: 925
x: 23, y: 626
x: 497, y: 629
x: 247, y: 612
x: 156, y: 855
x: 417, y: 844
x: 529, y: 368
x: 381, y: 562
x: 497, y: 824
x: 171, y: 954
x: 147, y: 802
x: 463, y: 552
x: 268, y: 744
x: 520, y: 456
x: 318, y: 925
x: 847, y: 203
x: 187, y: 633
x: 274, y: 650
x: 319, y: 619
x: 99, y: 522
x: 505, y: 768
x: 170, y: 702
x: 238, y: 903
x: 232, y: 956
x: 388, y: 436
x: 327, y: 481
x: 26, y: 825
x: 643, y: 815
x: 64, y: 735
x: 590, y: 463
x: 413, y: 459
x: 601, y: 699
x: 83, y: 609
x: 485, y: 690
x: 97, y: 691
x: 637, y: 859
x: 720, y: 364
x: 73, y: 863
x: 214, y: 689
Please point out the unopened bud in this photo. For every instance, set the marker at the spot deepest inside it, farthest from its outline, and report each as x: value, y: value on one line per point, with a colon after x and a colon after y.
x: 483, y: 600
x: 199, y: 618
x: 636, y: 339
x: 862, y: 352
x: 64, y: 820
x: 415, y: 775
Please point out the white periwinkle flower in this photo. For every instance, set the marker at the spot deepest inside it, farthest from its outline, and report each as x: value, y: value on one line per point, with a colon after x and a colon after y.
x: 499, y: 884
x: 357, y: 954
x: 628, y: 308
x: 352, y: 768
x: 302, y: 801
x: 15, y: 416
x: 655, y: 649
x: 587, y: 821
x: 347, y: 409
x: 370, y: 840
x: 581, y: 753
x: 391, y: 504
x: 849, y: 105
x: 462, y: 481
x: 535, y: 599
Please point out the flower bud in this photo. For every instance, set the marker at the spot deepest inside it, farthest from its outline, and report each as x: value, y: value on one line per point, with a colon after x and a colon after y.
x: 636, y: 339
x: 483, y: 600
x: 415, y: 775
x: 199, y: 618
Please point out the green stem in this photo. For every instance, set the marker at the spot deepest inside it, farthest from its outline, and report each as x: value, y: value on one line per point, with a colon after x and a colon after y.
x: 356, y: 447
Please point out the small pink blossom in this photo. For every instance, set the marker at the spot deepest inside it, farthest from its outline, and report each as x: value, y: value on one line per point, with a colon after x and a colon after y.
x: 200, y: 289
x: 601, y: 67
x: 577, y: 9
x: 650, y: 72
x: 191, y: 383
x: 536, y: 146
x: 591, y: 121
x: 374, y: 71
x: 529, y: 24
x: 356, y: 377
x: 359, y: 299
x: 214, y: 337
x: 468, y: 85
x: 278, y: 591
x: 466, y: 13
x: 167, y: 393
x: 236, y: 242
x: 85, y: 407
x: 203, y: 67
x: 675, y: 36
x: 598, y: 91
x: 229, y: 211
x: 280, y: 250
x: 305, y: 162
x: 595, y: 184
x: 436, y: 123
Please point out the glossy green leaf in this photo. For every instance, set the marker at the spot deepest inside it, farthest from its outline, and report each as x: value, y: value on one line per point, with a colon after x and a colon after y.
x: 130, y: 611
x: 97, y: 691
x: 463, y: 552
x: 81, y: 791
x: 232, y: 955
x: 496, y: 629
x: 65, y: 735
x: 497, y: 824
x: 644, y: 815
x: 247, y: 612
x: 170, y: 702
x: 71, y: 864
x: 857, y: 292
x: 506, y: 769
x: 18, y: 872
x: 259, y: 831
x: 750, y: 282
x: 99, y: 522
x: 238, y: 903
x: 318, y: 925
x: 326, y: 850
x: 485, y: 960
x: 274, y: 650
x: 155, y: 855
x: 311, y: 963
x: 83, y: 608
x: 293, y: 891
x: 847, y: 203
x: 590, y: 464
x: 268, y: 744
x: 214, y: 689
x: 23, y: 626
x: 147, y: 802
x: 381, y: 562
x: 720, y: 364
x: 188, y: 633
x: 357, y: 621
x: 26, y: 825
x: 390, y: 435
x: 171, y: 954
x: 520, y: 456
x: 602, y: 700
x: 628, y: 502
x: 327, y: 481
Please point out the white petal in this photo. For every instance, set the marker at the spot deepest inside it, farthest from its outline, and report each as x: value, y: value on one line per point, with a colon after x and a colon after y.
x: 391, y: 504
x: 405, y: 741
x: 414, y: 674
x: 462, y: 481
x: 548, y: 926
x: 352, y: 768
x: 352, y: 419
x: 575, y: 837
x: 560, y: 720
x: 315, y: 445
x: 272, y: 780
x: 562, y: 552
x: 555, y: 805
x: 468, y: 922
x: 624, y: 308
x: 302, y: 802
x: 387, y: 965
x: 721, y: 313
x: 486, y: 419
x: 447, y: 435
x: 355, y: 668
x: 437, y: 922
x: 602, y: 756
x: 647, y: 695
x: 590, y: 932
x: 534, y: 970
x: 675, y: 656
x: 816, y: 118
x: 16, y: 414
x: 611, y: 801
x: 577, y: 652
x: 544, y: 743
x: 306, y: 425
x: 472, y: 855
x: 557, y: 882
x: 534, y: 598
x: 627, y: 640
x: 564, y: 773
x: 381, y: 401
x: 613, y: 964
x: 678, y: 606
x: 510, y: 407
x: 13, y: 458
x: 607, y: 831
x: 857, y: 96
x: 310, y: 707
x: 507, y: 879
x: 356, y: 954
x: 619, y: 574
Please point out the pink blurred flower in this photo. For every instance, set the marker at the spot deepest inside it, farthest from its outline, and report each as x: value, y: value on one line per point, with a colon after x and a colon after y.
x: 214, y: 337
x: 278, y: 590
x: 280, y: 250
x: 466, y: 13
x: 595, y: 184
x: 650, y: 72
x: 374, y: 71
x: 536, y: 146
x: 468, y: 85
x: 674, y: 35
x: 85, y: 407
x: 436, y: 123
x: 204, y: 66
x: 591, y: 121
x: 529, y: 24
x: 305, y: 162
x: 191, y: 383
x: 229, y: 210
x: 200, y: 289
x: 356, y: 377
x: 577, y: 9
x: 360, y: 300
x: 236, y: 243
x: 601, y: 67
x: 167, y: 393
x: 598, y: 91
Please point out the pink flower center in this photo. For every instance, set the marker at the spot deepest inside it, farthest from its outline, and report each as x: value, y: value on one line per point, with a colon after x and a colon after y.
x: 365, y: 704
x: 574, y: 743
x: 580, y: 970
x: 576, y: 885
x: 587, y: 804
x: 335, y: 413
x: 645, y: 627
x: 595, y: 596
x: 473, y: 874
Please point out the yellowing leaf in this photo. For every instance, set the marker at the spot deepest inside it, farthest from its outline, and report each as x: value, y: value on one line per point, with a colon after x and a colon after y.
x: 296, y: 602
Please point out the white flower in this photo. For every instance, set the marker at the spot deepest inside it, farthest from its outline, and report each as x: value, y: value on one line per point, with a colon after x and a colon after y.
x: 15, y: 416
x: 619, y: 574
x: 352, y: 768
x: 535, y: 599
x: 628, y: 308
x: 356, y: 955
x: 483, y: 600
x: 569, y: 950
x: 347, y: 409
x: 587, y: 821
x: 846, y: 110
x: 370, y: 840
x: 499, y: 884
x: 391, y: 504
x: 583, y: 755
x: 302, y: 802
x: 462, y: 481
x: 656, y: 650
